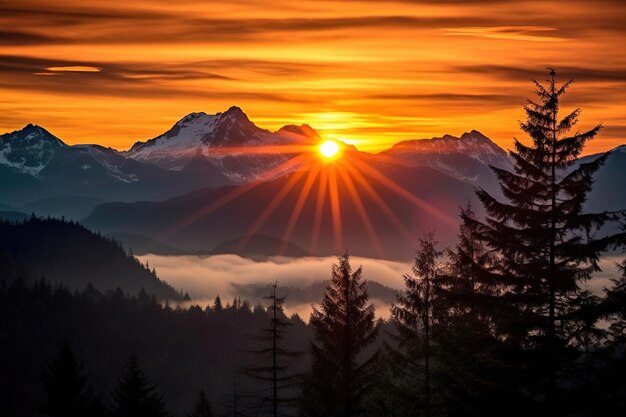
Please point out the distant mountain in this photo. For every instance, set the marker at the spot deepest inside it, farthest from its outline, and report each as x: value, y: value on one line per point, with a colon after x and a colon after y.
x: 220, y: 138
x: 13, y: 216
x: 199, y: 151
x: 204, y: 155
x: 609, y: 185
x: 141, y: 245
x: 69, y: 206
x: 259, y: 247
x: 67, y: 253
x: 436, y: 198
x: 40, y: 170
x: 29, y: 150
x: 466, y: 158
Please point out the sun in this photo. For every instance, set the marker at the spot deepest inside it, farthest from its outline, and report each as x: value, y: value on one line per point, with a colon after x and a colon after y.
x: 329, y: 149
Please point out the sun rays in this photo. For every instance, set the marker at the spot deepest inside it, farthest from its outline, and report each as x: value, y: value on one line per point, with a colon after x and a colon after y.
x: 313, y: 182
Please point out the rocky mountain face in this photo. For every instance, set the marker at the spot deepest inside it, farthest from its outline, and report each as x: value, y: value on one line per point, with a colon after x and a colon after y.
x: 29, y: 150
x: 222, y: 139
x: 466, y: 158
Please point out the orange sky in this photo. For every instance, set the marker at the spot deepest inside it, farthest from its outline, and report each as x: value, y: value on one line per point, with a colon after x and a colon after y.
x: 369, y: 72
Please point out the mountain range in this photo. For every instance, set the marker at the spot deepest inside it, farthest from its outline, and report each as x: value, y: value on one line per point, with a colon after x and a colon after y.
x: 42, y: 174
x: 142, y: 195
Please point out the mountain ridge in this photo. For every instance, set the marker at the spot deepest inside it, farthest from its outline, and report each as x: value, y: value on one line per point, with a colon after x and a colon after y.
x: 42, y: 174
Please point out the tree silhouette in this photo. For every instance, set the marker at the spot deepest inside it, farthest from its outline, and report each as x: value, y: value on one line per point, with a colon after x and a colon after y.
x: 471, y: 358
x: 273, y: 361
x: 343, y: 326
x: 136, y: 395
x: 545, y: 243
x: 65, y: 386
x: 202, y: 407
x: 412, y: 315
x: 217, y: 304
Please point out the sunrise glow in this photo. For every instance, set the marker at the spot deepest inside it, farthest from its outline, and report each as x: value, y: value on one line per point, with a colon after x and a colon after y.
x: 356, y: 69
x: 329, y: 149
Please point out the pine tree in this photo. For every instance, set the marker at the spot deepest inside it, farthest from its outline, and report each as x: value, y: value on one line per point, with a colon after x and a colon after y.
x: 546, y: 244
x: 344, y: 326
x: 136, y: 395
x: 65, y: 386
x: 412, y: 315
x: 202, y: 407
x: 273, y: 361
x: 217, y: 304
x: 471, y: 358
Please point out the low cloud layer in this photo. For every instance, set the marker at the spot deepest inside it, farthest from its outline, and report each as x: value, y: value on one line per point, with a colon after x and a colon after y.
x: 230, y: 276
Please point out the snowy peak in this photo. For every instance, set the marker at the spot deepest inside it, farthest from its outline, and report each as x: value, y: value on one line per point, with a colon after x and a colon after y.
x: 200, y: 135
x: 30, y: 149
x: 31, y: 135
x: 465, y: 157
x: 473, y: 144
x: 236, y: 113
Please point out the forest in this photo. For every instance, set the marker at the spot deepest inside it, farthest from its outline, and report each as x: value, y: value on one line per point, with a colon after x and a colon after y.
x: 502, y: 323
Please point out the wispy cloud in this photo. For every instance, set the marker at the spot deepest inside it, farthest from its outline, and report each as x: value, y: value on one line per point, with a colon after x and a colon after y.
x: 74, y: 68
x: 516, y: 33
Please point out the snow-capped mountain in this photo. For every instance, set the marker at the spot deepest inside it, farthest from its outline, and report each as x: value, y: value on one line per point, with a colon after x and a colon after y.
x: 40, y: 170
x: 29, y: 150
x: 35, y: 151
x: 222, y: 139
x: 466, y: 158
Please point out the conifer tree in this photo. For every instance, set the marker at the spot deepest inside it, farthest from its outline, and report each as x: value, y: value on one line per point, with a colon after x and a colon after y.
x: 413, y: 316
x: 470, y: 356
x: 546, y: 244
x: 136, y: 395
x: 202, y: 407
x: 344, y: 326
x: 65, y: 386
x: 273, y: 361
x: 217, y: 304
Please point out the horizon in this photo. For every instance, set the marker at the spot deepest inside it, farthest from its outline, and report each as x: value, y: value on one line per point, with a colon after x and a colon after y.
x: 363, y: 72
x: 70, y: 142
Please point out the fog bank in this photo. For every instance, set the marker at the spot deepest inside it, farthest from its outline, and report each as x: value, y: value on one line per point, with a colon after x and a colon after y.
x: 230, y: 276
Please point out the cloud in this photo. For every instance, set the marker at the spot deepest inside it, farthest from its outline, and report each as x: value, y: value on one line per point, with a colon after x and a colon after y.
x: 231, y: 276
x: 18, y: 37
x: 455, y: 99
x: 517, y: 33
x: 404, y: 68
x: 74, y: 68
x: 526, y: 72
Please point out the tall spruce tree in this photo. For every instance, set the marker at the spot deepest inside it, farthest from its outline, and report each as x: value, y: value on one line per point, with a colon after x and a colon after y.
x: 66, y: 389
x: 413, y: 317
x: 546, y: 245
x: 472, y: 361
x: 274, y: 361
x: 136, y: 395
x: 344, y: 326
